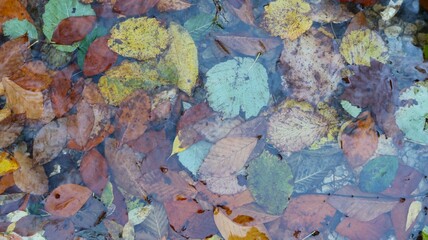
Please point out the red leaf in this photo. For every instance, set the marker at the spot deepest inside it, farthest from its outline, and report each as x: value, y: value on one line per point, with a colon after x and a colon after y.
x: 179, y: 211
x: 358, y: 230
x: 67, y: 199
x: 194, y: 115
x: 99, y: 57
x: 13, y: 54
x: 133, y: 7
x: 6, y: 182
x: 93, y: 170
x: 73, y: 29
x: 33, y: 76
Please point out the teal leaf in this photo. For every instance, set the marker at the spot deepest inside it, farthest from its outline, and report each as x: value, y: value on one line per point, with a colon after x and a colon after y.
x: 15, y: 28
x: 199, y: 25
x: 270, y: 181
x: 238, y: 85
x: 378, y: 174
x: 412, y: 117
x: 193, y: 157
x: 58, y: 10
x: 351, y: 109
x: 97, y: 32
x: 156, y: 225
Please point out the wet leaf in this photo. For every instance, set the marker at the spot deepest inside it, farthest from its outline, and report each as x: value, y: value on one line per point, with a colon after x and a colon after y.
x: 180, y: 65
x: 270, y: 181
x: 6, y: 181
x: 362, y: 230
x: 10, y: 128
x: 287, y: 19
x: 30, y: 178
x: 363, y: 206
x: 329, y: 11
x: 239, y: 84
x: 155, y: 226
x: 15, y: 28
x: 378, y: 174
x: 250, y: 46
x: 312, y: 66
x: 412, y: 116
x: 99, y: 57
x: 363, y: 2
x: 193, y: 157
x: 67, y: 199
x: 296, y: 125
x: 140, y: 38
x: 360, y: 46
x: 56, y: 228
x: 351, y: 109
x: 251, y: 215
x: 50, y: 141
x: 187, y: 208
x: 22, y: 101
x: 73, y: 29
x: 11, y: 9
x: 58, y: 10
x: 403, y: 217
x: 133, y: 7
x: 405, y: 182
x: 172, y: 5
x: 33, y: 76
x: 8, y: 163
x: 93, y: 169
x: 14, y: 54
x: 243, y: 9
x: 97, y: 32
x: 199, y: 25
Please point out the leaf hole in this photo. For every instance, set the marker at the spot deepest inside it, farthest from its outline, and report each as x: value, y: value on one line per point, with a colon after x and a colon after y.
x: 57, y: 195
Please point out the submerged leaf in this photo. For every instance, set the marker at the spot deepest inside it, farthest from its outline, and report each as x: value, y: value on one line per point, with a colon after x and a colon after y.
x: 193, y: 157
x: 378, y: 174
x: 8, y: 163
x: 199, y: 25
x: 237, y: 85
x: 30, y: 178
x: 50, y: 141
x: 15, y: 28
x: 73, y: 29
x: 67, y: 199
x: 155, y: 226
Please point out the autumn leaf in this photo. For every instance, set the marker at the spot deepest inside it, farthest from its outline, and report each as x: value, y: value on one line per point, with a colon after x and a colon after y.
x: 370, y: 230
x: 93, y: 170
x: 172, y: 5
x: 33, y: 76
x: 10, y: 128
x: 50, y: 141
x: 30, y: 178
x: 67, y: 199
x: 99, y: 57
x: 363, y: 2
x: 404, y: 217
x: 10, y: 9
x: 8, y: 163
x: 6, y: 181
x: 243, y: 9
x: 378, y: 173
x: 287, y: 19
x: 14, y: 54
x: 133, y: 7
x: 329, y: 11
x: 251, y: 46
x: 73, y: 29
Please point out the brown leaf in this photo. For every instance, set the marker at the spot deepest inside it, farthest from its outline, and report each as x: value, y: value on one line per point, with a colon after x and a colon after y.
x: 359, y: 230
x: 132, y: 117
x: 30, y: 225
x: 329, y: 11
x: 10, y: 129
x: 358, y: 22
x: 243, y: 9
x: 99, y: 57
x: 22, y: 101
x: 50, y: 141
x: 10, y: 9
x: 67, y: 199
x: 6, y: 182
x: 89, y: 126
x: 123, y: 162
x: 193, y: 115
x: 360, y: 205
x: 92, y: 95
x: 251, y: 46
x: 13, y: 53
x: 73, y: 29
x: 133, y: 7
x: 33, y: 76
x: 30, y: 178
x: 63, y: 93
x: 149, y: 141
x: 93, y: 170
x: 359, y: 139
x: 172, y: 5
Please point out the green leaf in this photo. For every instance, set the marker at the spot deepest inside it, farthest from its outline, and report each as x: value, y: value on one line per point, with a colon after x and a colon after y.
x: 412, y: 117
x: 107, y: 196
x: 270, y: 181
x: 238, y: 85
x: 199, y: 25
x: 378, y: 174
x: 15, y: 28
x: 351, y: 109
x: 156, y: 225
x: 58, y: 10
x: 193, y: 157
x: 425, y: 233
x: 97, y: 32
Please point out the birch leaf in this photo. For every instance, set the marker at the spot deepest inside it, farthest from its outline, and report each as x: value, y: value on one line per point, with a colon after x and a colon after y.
x: 239, y: 84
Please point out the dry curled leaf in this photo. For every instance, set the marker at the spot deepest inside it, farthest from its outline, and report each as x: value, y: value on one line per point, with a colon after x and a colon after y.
x: 67, y: 199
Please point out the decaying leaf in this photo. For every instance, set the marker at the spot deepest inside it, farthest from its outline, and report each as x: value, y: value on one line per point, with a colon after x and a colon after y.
x: 67, y: 199
x: 312, y: 66
x: 30, y: 178
x: 140, y: 38
x: 33, y: 76
x: 251, y: 215
x: 155, y: 226
x: 8, y: 163
x: 172, y: 5
x: 99, y: 57
x: 133, y: 7
x: 93, y: 170
x: 73, y: 29
x: 360, y: 46
x: 250, y: 46
x: 243, y: 9
x: 239, y: 84
x: 287, y: 19
x: 362, y: 230
x: 10, y: 9
x: 329, y: 11
x: 10, y: 128
x: 49, y: 141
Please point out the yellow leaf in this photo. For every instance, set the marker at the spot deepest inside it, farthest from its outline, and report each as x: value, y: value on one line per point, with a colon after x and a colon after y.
x: 414, y: 210
x: 140, y: 38
x: 7, y: 163
x: 4, y: 113
x: 180, y: 64
x: 360, y: 46
x: 287, y: 18
x: 176, y: 145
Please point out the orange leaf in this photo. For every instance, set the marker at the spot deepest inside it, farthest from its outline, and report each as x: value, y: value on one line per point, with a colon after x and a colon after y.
x: 6, y: 182
x: 99, y: 57
x: 67, y: 199
x: 73, y: 29
x: 33, y: 76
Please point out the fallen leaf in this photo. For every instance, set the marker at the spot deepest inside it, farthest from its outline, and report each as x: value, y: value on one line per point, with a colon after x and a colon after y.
x: 99, y: 57
x: 163, y: 104
x: 133, y: 7
x: 361, y: 46
x: 132, y: 117
x: 155, y: 226
x: 365, y: 3
x: 123, y: 162
x: 14, y: 54
x: 73, y: 29
x: 193, y: 157
x: 148, y: 38
x: 10, y: 128
x: 92, y: 95
x: 251, y: 215
x: 405, y: 182
x: 187, y: 208
x: 8, y: 163
x: 378, y: 173
x: 251, y: 46
x: 33, y: 76
x: 15, y: 28
x: 287, y: 19
x: 97, y: 32
x: 329, y: 11
x: 93, y: 169
x: 362, y: 230
x: 243, y: 9
x: 50, y: 141
x: 199, y: 25
x: 239, y: 84
x: 6, y: 181
x: 67, y: 199
x: 22, y: 101
x: 270, y: 193
x: 362, y: 206
x: 403, y: 217
x: 30, y: 178
x: 57, y: 228
x: 172, y: 5
x: 10, y: 9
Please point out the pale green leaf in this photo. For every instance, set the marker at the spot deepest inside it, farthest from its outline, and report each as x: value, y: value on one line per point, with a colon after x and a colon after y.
x: 378, y: 174
x: 199, y: 25
x: 15, y: 28
x: 107, y: 196
x: 239, y: 84
x: 193, y: 157
x: 270, y: 181
x: 139, y: 214
x: 354, y: 111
